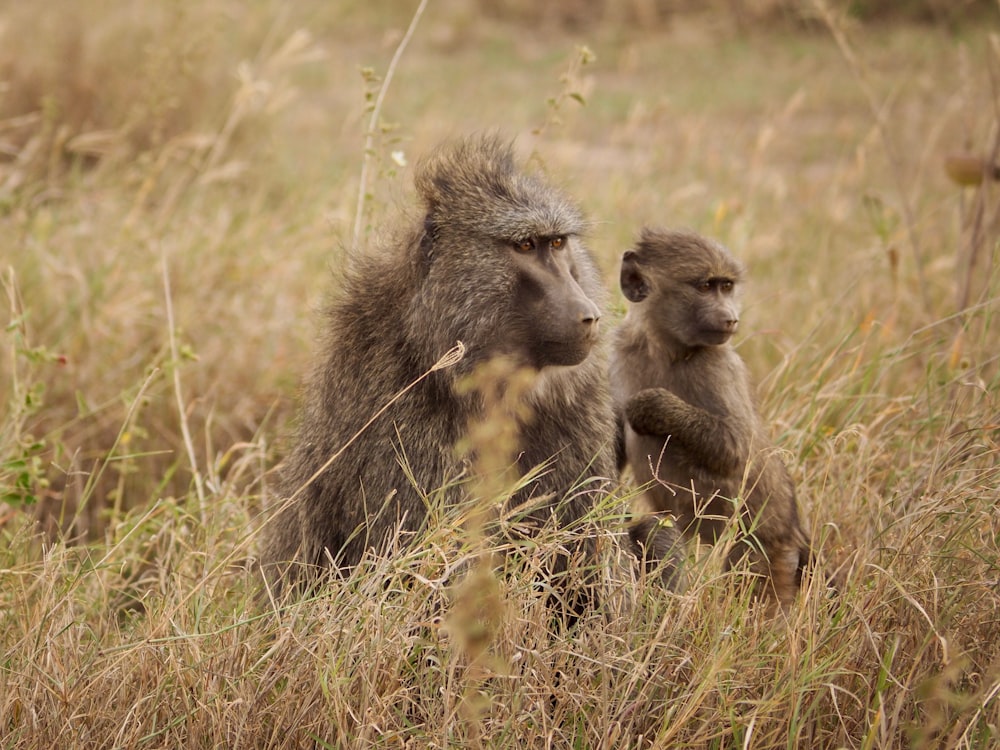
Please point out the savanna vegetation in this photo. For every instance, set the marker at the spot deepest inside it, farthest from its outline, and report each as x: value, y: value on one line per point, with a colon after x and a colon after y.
x: 178, y: 179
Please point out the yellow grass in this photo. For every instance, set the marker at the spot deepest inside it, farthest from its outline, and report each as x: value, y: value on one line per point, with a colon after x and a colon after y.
x: 177, y: 179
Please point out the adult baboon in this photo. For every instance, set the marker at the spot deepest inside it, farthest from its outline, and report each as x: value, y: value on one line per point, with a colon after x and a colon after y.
x: 693, y: 434
x: 495, y: 261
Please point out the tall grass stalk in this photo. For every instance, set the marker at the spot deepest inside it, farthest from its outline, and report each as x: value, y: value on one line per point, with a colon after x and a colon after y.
x: 373, y: 123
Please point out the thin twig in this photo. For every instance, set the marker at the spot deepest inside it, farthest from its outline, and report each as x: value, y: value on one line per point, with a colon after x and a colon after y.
x: 178, y: 395
x: 977, y: 212
x: 450, y: 358
x: 373, y: 121
x: 17, y: 325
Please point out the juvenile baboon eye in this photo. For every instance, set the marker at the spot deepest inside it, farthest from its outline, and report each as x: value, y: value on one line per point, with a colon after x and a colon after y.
x: 557, y: 242
x: 704, y: 286
x: 525, y: 246
x: 726, y: 286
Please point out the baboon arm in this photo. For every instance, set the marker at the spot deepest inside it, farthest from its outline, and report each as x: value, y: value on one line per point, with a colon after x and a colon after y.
x: 707, y: 437
x: 621, y: 457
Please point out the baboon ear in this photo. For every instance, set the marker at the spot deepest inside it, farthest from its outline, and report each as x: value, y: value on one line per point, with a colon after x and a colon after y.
x: 427, y: 243
x: 633, y: 280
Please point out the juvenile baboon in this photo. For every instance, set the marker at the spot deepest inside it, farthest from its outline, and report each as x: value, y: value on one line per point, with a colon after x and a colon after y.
x: 495, y: 261
x: 693, y: 434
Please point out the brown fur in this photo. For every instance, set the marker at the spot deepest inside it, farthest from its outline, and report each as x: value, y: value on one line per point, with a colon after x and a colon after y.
x: 495, y: 261
x: 658, y: 543
x: 693, y: 435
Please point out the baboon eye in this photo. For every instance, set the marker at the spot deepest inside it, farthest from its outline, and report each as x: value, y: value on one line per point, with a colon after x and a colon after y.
x: 726, y: 286
x: 557, y: 242
x: 525, y: 246
x: 704, y: 286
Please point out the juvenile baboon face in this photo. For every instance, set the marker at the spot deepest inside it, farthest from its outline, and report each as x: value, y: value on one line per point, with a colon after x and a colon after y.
x: 689, y: 284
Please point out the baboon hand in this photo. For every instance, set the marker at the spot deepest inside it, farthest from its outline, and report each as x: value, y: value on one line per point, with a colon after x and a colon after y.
x: 653, y: 411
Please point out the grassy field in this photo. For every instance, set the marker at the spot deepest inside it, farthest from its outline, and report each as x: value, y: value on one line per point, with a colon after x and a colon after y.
x: 176, y: 182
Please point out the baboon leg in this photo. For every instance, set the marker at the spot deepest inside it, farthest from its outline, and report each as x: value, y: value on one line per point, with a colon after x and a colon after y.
x: 785, y: 572
x: 776, y: 567
x: 660, y: 545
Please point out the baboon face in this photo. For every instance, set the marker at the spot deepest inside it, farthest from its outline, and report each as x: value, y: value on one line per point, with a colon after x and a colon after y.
x: 530, y: 298
x: 503, y: 265
x: 690, y: 286
x: 556, y: 318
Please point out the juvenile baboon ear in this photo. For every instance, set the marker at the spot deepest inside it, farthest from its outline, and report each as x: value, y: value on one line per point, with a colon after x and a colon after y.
x: 633, y: 280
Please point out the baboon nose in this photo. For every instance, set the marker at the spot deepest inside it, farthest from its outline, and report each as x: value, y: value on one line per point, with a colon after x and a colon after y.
x: 590, y: 315
x: 732, y: 324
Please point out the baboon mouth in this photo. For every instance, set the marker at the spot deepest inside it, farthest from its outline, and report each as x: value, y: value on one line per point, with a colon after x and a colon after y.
x: 717, y: 335
x: 564, y: 352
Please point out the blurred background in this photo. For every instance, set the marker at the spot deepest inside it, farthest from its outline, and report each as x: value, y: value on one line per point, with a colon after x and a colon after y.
x: 177, y: 180
x: 180, y: 182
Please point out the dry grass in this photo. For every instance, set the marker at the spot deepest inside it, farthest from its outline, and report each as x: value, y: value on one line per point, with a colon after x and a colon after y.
x: 174, y: 185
